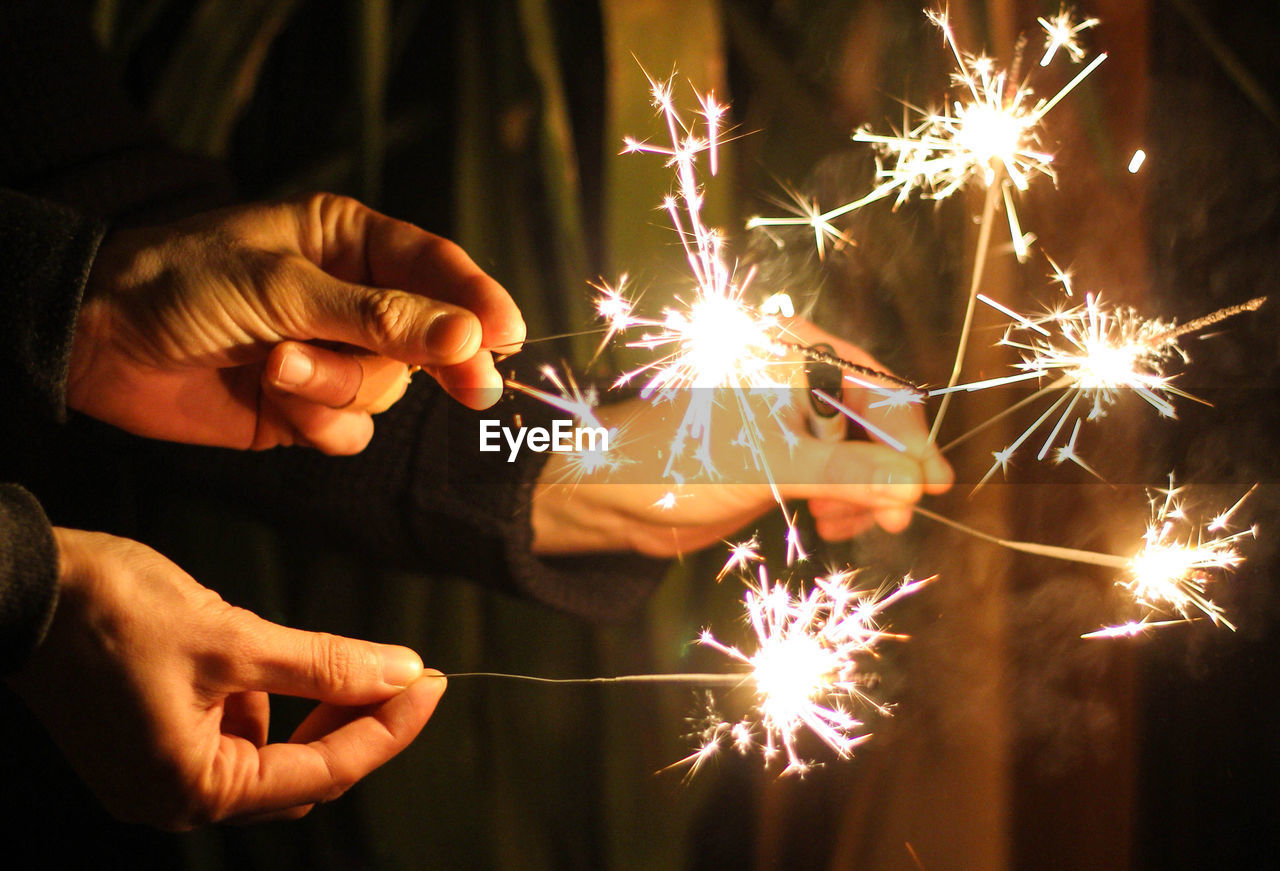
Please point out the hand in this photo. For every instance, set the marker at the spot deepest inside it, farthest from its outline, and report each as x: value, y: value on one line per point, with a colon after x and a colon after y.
x: 156, y: 690
x: 287, y: 323
x: 850, y: 485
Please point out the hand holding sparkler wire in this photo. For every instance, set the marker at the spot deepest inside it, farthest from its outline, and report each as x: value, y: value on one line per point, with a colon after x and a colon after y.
x: 282, y: 323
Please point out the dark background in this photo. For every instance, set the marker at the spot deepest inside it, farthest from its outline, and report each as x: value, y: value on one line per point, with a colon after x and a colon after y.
x: 1015, y: 744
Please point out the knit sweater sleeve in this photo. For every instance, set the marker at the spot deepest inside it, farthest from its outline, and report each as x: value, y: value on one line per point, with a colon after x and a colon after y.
x: 46, y: 252
x: 45, y: 255
x: 422, y: 496
x: 28, y: 576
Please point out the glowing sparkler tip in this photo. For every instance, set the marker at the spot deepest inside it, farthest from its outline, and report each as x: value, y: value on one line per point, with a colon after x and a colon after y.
x: 807, y: 668
x: 1177, y: 562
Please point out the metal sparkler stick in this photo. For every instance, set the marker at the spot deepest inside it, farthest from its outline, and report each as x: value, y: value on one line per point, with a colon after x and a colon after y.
x: 1070, y: 554
x: 708, y: 679
x: 979, y: 266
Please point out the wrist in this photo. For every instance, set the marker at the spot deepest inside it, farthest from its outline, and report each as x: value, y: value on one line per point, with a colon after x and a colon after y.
x: 566, y: 519
x: 93, y: 321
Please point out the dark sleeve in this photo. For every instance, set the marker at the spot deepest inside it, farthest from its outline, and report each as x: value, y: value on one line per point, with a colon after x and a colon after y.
x: 28, y: 576
x: 422, y: 497
x: 45, y: 255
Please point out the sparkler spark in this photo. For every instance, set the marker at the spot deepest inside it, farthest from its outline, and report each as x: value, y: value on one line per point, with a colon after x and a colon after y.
x: 713, y: 337
x: 1131, y: 628
x: 993, y: 135
x: 807, y: 670
x: 1095, y: 353
x: 711, y: 343
x: 1171, y: 572
x: 1178, y: 560
x: 1060, y: 33
x: 595, y: 457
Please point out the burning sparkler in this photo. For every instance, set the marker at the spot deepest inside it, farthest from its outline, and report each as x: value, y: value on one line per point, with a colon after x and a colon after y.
x: 1097, y: 353
x: 994, y: 136
x: 1171, y: 572
x: 807, y: 671
x: 711, y: 345
x: 1178, y: 560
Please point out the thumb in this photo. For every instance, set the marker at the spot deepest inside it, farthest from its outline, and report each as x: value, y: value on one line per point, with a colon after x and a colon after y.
x: 329, y: 668
x: 408, y: 327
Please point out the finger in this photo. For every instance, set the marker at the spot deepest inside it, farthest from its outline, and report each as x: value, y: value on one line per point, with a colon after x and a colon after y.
x: 844, y: 527
x: 401, y: 255
x: 331, y: 431
x: 938, y: 474
x: 893, y: 519
x: 861, y: 473
x: 247, y: 716
x: 362, y: 245
x: 317, y: 665
x: 285, y: 815
x: 284, y: 778
x: 414, y: 329
x: 475, y: 383
x: 820, y: 507
x: 323, y: 719
x: 354, y: 382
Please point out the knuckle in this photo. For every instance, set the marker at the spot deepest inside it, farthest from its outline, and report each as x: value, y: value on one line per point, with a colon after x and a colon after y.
x: 274, y: 277
x: 336, y: 663
x: 321, y: 202
x: 390, y: 315
x: 229, y: 662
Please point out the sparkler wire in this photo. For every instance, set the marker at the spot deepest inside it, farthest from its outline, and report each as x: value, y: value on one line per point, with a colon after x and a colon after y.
x: 979, y: 266
x: 707, y: 679
x: 817, y: 355
x: 1207, y: 321
x: 1070, y: 554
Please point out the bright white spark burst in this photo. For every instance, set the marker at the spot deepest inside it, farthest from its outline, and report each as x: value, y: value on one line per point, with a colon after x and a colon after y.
x: 1061, y: 32
x: 712, y: 337
x: 993, y: 135
x: 1095, y: 353
x: 807, y: 671
x: 1180, y: 558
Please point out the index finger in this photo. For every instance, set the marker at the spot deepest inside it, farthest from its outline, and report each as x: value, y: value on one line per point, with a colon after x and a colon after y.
x: 248, y: 781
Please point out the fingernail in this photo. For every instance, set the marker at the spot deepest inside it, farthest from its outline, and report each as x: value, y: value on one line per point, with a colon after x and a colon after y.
x: 449, y: 334
x: 295, y: 369
x: 490, y: 392
x: 400, y: 666
x: 511, y: 340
